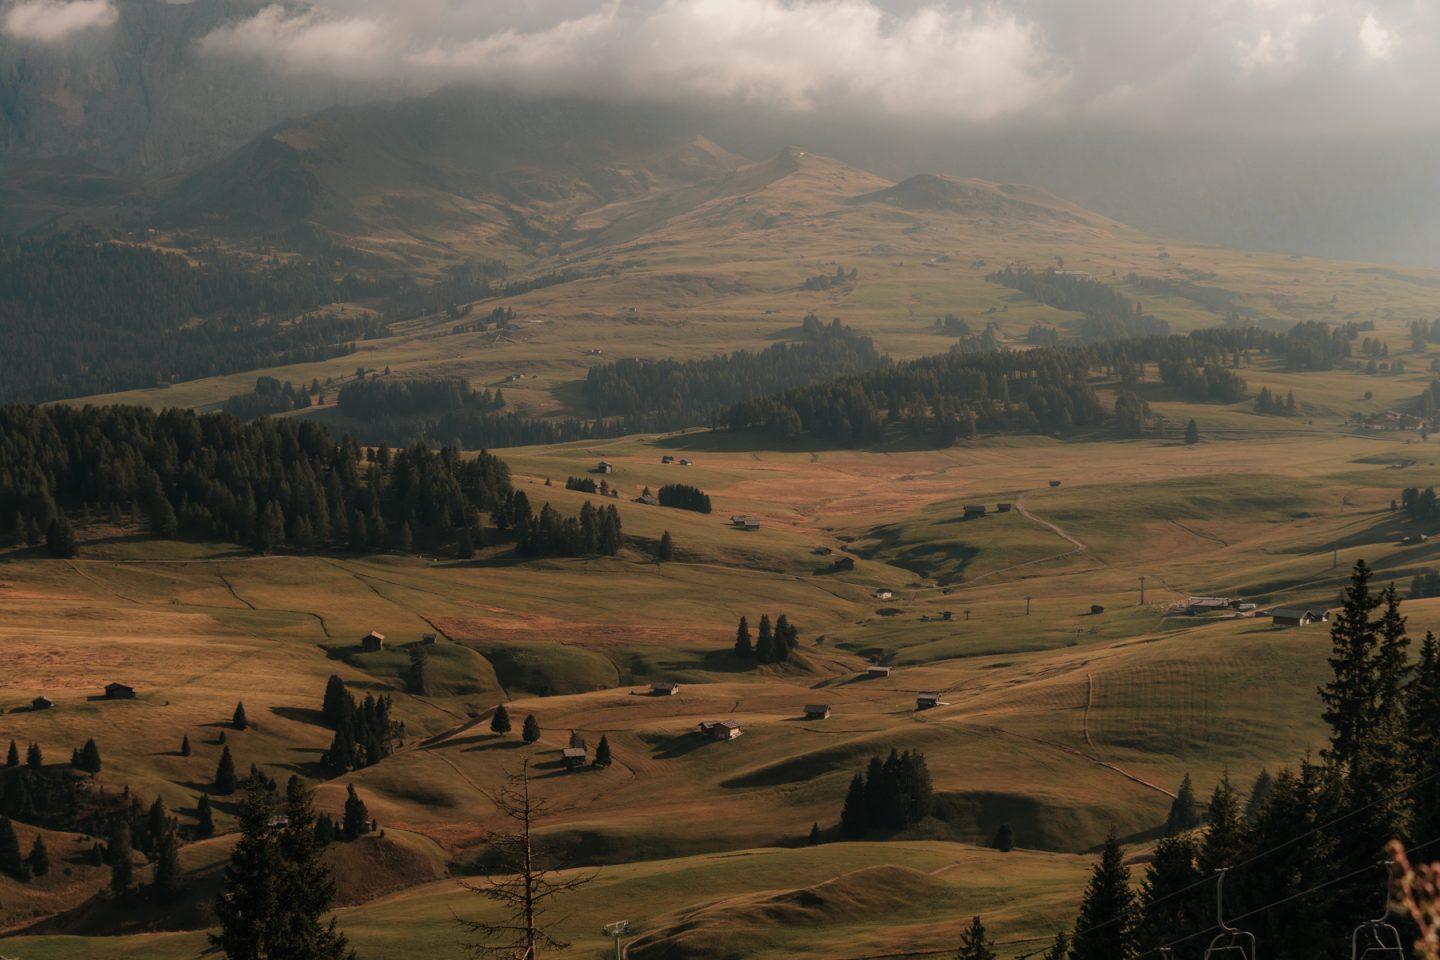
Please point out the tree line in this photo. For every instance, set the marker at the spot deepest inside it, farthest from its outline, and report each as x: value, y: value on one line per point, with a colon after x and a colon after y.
x: 890, y: 795
x: 376, y: 398
x: 1302, y: 852
x: 1107, y: 313
x: 364, y: 730
x: 684, y: 497
x: 773, y: 644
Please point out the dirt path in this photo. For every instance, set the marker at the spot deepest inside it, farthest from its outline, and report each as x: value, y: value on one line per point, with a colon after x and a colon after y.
x: 1080, y: 547
x: 1196, y: 533
x: 231, y: 587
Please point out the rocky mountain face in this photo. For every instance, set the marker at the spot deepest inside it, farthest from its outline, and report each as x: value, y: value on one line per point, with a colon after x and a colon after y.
x: 136, y: 97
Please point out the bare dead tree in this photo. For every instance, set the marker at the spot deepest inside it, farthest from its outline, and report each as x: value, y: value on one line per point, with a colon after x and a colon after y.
x: 519, y: 883
x: 1418, y: 891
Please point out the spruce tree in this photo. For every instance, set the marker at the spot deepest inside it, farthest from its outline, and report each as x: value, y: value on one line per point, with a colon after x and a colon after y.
x: 1172, y: 901
x: 1184, y: 812
x: 225, y: 782
x: 338, y: 704
x: 306, y: 889
x: 500, y: 722
x: 974, y: 944
x: 530, y: 729
x: 1059, y: 950
x: 743, y: 647
x: 357, y: 815
x: 666, y: 551
x: 204, y: 817
x: 765, y: 641
x: 1350, y: 696
x: 1225, y: 830
x: 814, y: 838
x: 185, y: 746
x: 89, y: 759
x: 167, y: 883
x: 1422, y: 707
x: 854, y: 819
x: 1004, y: 838
x: 249, y: 907
x: 122, y: 870
x: 39, y: 859
x: 1259, y: 794
x: 12, y: 758
x: 237, y: 719
x: 12, y: 864
x: 1105, y: 928
x: 416, y: 681
x: 1192, y: 432
x: 34, y: 758
x: 602, y: 752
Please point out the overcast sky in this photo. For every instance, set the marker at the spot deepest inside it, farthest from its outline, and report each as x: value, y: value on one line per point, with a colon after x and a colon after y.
x: 1298, y: 65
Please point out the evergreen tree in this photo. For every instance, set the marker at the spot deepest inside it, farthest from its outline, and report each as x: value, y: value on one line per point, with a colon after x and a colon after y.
x: 1301, y: 857
x: 1184, y: 809
x: 1172, y: 900
x: 1350, y: 697
x: 1004, y: 838
x: 12, y: 758
x: 1192, y: 432
x: 666, y: 551
x: 34, y: 758
x: 122, y: 870
x: 853, y: 815
x: 530, y: 729
x: 1259, y: 793
x: 602, y: 752
x: 225, y: 782
x: 975, y: 944
x: 204, y: 817
x: 11, y: 863
x: 500, y: 722
x: 249, y: 907
x: 338, y: 704
x: 1225, y: 830
x: 416, y: 681
x: 60, y: 539
x: 357, y: 815
x: 814, y: 838
x: 1060, y: 949
x: 89, y: 757
x: 305, y: 889
x: 1105, y: 928
x: 237, y: 720
x: 185, y: 745
x: 1422, y: 706
x: 743, y: 646
x: 168, y: 882
x: 765, y: 641
x: 39, y: 859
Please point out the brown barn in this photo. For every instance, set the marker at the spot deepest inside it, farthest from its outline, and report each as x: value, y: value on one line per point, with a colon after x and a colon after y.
x: 721, y: 729
x: 573, y: 757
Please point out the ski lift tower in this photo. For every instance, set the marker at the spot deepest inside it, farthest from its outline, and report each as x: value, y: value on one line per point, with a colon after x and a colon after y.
x: 617, y: 930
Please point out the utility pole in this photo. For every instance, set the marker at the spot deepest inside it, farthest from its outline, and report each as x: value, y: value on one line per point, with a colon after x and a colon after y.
x: 1142, y: 591
x: 1027, y: 604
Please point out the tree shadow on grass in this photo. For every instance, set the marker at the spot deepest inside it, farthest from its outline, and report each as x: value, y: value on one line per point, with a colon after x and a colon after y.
x: 495, y: 743
x: 682, y: 745
x: 300, y: 715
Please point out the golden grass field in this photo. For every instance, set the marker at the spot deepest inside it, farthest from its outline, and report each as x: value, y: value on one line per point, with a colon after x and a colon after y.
x: 1063, y: 723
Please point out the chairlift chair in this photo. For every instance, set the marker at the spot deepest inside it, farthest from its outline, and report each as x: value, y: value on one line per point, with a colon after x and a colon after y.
x: 1229, y: 943
x: 1378, y: 939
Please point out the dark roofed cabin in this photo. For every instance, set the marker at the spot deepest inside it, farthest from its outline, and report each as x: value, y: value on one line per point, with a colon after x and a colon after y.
x: 119, y: 691
x: 817, y: 711
x: 41, y: 703
x: 427, y: 638
x: 373, y: 642
x: 664, y: 689
x: 878, y: 671
x: 721, y: 729
x: 573, y: 757
x: 927, y: 700
x: 1297, y: 616
x: 973, y: 510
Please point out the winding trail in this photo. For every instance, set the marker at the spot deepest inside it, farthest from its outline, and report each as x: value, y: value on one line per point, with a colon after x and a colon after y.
x: 1080, y: 546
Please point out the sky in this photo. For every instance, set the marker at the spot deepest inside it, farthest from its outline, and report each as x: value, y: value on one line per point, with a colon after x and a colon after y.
x: 1298, y: 125
x: 1254, y: 65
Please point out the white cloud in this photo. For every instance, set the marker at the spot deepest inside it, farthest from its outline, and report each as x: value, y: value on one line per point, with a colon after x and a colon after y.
x: 46, y: 21
x: 1251, y: 63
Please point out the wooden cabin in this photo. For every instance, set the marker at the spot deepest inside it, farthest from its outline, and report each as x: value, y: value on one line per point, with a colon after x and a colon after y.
x: 926, y: 701
x: 573, y: 757
x: 664, y: 688
x: 119, y: 691
x: 878, y: 671
x: 372, y: 642
x: 817, y: 711
x: 721, y: 729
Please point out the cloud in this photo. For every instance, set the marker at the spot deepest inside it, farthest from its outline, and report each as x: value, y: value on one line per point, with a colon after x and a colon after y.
x: 1258, y: 64
x: 46, y: 21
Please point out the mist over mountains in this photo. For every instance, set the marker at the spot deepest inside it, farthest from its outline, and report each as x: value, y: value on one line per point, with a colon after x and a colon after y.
x: 150, y: 90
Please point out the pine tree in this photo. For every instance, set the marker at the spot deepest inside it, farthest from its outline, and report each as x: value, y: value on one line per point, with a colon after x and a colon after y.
x: 34, y: 758
x: 338, y: 704
x: 1060, y: 949
x: 89, y: 757
x: 854, y: 818
x: 416, y: 681
x: 1184, y: 812
x: 225, y: 782
x: 602, y: 752
x: 1350, y: 696
x: 306, y: 889
x: 249, y: 907
x: 12, y: 759
x: 1171, y: 901
x: 357, y: 815
x: 11, y: 863
x: 666, y: 551
x: 974, y: 944
x: 167, y: 883
x: 1192, y: 432
x: 60, y: 539
x: 185, y: 745
x: 500, y: 722
x: 1422, y: 706
x: 1105, y: 928
x: 814, y: 838
x: 1259, y: 793
x: 1004, y: 838
x: 39, y: 859
x: 743, y: 647
x: 204, y: 817
x: 765, y: 641
x: 237, y: 720
x: 1225, y: 830
x: 122, y: 870
x: 530, y: 729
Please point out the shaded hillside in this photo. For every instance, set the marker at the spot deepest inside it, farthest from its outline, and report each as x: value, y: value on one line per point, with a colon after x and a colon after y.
x: 972, y: 198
